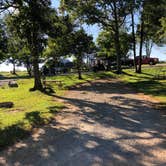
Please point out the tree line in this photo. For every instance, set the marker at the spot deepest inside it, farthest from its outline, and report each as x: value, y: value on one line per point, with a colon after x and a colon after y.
x: 31, y: 29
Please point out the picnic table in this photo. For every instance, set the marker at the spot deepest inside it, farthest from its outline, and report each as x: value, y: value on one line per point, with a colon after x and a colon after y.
x: 58, y: 82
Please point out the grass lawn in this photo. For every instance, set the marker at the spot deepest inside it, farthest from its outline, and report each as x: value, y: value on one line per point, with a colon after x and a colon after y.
x: 147, y: 83
x: 32, y: 109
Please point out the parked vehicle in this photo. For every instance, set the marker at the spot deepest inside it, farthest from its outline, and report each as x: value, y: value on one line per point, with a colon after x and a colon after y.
x: 147, y: 60
x: 127, y: 62
x: 99, y: 64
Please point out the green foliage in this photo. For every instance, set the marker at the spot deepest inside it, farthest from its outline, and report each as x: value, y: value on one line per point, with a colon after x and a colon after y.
x: 162, y: 31
x: 58, y: 45
x: 94, y: 11
x: 152, y: 23
x: 80, y: 43
x: 33, y: 22
x: 3, y: 41
x: 106, y: 44
x: 110, y: 15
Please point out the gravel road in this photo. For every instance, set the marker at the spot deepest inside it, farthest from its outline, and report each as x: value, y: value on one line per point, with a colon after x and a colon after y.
x: 104, y: 123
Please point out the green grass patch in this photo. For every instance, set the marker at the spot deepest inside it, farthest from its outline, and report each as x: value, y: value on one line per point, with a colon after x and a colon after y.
x: 148, y: 82
x: 30, y: 109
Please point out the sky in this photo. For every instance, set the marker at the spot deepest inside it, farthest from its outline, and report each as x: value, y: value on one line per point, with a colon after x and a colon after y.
x: 159, y: 52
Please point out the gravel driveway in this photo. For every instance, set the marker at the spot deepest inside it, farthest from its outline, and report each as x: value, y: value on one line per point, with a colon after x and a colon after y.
x: 103, y: 124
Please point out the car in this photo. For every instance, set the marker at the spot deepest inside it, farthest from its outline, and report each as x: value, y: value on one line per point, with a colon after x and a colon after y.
x: 147, y: 60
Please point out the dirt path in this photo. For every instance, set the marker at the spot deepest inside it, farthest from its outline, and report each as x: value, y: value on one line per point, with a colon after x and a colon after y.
x: 103, y: 124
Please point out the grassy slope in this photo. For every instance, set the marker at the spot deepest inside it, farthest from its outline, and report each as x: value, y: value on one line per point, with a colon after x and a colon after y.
x: 31, y: 108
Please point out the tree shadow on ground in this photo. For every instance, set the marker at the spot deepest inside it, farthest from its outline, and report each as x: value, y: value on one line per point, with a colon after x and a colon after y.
x: 150, y: 87
x: 103, y: 87
x: 104, y: 133
x: 147, y: 76
x: 9, y: 135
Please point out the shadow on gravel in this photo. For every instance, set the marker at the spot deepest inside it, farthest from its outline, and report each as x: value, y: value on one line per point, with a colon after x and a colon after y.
x: 76, y: 147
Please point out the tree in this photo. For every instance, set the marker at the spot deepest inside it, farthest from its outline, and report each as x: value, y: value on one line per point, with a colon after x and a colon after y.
x: 13, y: 49
x: 149, y: 25
x: 133, y: 8
x: 162, y: 32
x: 25, y: 59
x: 141, y: 43
x: 109, y: 14
x: 152, y: 22
x: 17, y: 50
x: 80, y: 43
x: 59, y: 46
x: 107, y: 46
x: 33, y: 20
x: 3, y: 41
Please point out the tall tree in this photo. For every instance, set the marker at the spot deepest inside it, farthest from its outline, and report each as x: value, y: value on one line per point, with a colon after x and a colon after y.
x: 109, y: 14
x: 25, y: 59
x: 81, y: 44
x: 14, y: 46
x: 133, y: 9
x: 149, y: 25
x: 141, y: 43
x: 107, y: 46
x: 3, y: 41
x: 152, y: 22
x: 33, y: 20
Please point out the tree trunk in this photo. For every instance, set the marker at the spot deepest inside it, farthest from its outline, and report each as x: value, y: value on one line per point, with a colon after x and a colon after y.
x: 28, y: 66
x: 79, y: 66
x: 35, y: 48
x: 14, y: 68
x: 141, y: 45
x: 36, y: 72
x: 134, y: 39
x: 117, y: 41
x: 79, y: 74
x: 29, y: 71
